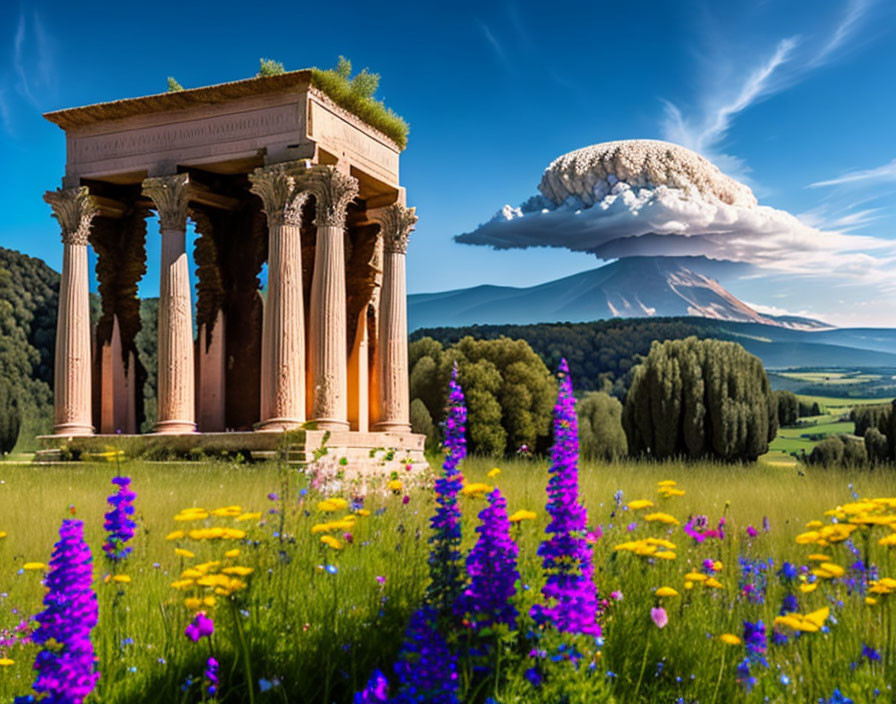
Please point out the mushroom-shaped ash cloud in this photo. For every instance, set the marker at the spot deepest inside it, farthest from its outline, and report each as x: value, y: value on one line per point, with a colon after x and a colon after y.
x: 650, y: 198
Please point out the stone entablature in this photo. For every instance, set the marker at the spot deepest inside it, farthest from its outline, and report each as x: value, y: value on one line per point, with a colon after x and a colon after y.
x: 272, y: 119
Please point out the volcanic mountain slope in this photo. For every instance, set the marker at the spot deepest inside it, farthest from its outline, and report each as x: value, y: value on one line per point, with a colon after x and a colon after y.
x: 631, y: 287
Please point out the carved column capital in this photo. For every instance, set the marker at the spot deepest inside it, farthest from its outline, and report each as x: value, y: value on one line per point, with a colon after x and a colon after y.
x: 74, y: 209
x: 277, y: 187
x: 333, y: 190
x: 396, y: 223
x: 171, y: 196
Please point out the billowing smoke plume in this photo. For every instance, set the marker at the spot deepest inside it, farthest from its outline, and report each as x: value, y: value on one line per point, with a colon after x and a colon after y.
x: 652, y: 198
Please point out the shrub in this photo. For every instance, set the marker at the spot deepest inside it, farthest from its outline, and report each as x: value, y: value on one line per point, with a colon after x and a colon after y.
x: 788, y: 408
x: 269, y: 67
x: 357, y: 96
x: 839, y: 451
x: 700, y: 398
x: 601, y: 436
x: 421, y: 422
x: 876, y: 446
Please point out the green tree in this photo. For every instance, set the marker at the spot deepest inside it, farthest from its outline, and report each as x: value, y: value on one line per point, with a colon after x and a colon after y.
x: 510, y: 392
x: 788, y: 408
x: 876, y: 446
x: 10, y: 418
x: 700, y: 399
x: 840, y: 451
x: 601, y: 436
x: 173, y: 85
x: 421, y: 422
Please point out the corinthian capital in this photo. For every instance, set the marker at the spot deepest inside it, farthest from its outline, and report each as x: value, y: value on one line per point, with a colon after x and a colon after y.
x: 280, y: 195
x: 396, y: 222
x: 171, y: 196
x: 333, y: 190
x: 74, y: 209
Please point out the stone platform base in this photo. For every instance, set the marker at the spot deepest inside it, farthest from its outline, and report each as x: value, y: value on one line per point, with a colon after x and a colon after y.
x: 349, y: 448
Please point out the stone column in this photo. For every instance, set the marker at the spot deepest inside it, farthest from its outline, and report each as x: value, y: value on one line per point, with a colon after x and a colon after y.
x: 396, y: 222
x: 283, y: 324
x: 333, y: 191
x: 74, y: 210
x: 176, y: 394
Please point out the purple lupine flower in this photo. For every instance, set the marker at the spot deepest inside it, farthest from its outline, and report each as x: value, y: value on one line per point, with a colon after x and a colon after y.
x: 119, y: 525
x: 200, y: 627
x: 491, y: 565
x: 211, y: 677
x: 376, y: 691
x: 567, y: 557
x: 445, y: 567
x: 756, y: 644
x: 66, y: 667
x: 426, y: 667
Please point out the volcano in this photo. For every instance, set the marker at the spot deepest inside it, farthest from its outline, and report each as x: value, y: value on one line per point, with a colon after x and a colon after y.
x: 631, y: 287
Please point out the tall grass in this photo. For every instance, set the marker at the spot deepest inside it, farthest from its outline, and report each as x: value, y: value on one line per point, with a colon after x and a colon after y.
x: 313, y: 634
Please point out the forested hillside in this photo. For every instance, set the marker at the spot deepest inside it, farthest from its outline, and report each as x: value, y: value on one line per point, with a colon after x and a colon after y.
x: 28, y: 298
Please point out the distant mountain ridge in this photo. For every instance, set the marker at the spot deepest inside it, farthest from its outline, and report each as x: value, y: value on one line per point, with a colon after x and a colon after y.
x: 633, y: 287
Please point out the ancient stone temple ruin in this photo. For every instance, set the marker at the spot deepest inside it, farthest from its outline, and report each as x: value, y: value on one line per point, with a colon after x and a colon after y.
x: 270, y: 171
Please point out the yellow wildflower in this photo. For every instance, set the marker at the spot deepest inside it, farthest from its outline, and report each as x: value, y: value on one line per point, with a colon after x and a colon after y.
x: 639, y: 504
x: 666, y: 591
x: 192, y: 573
x: 238, y: 570
x: 256, y: 516
x: 183, y: 584
x: 175, y: 535
x: 730, y: 639
x: 180, y: 552
x: 332, y: 504
x: 193, y: 603
x: 819, y: 557
x: 331, y: 541
x: 665, y: 555
x: 688, y: 585
x: 662, y: 542
x: 494, y: 473
x: 232, y: 553
x: 694, y: 576
x: 395, y: 485
x: 34, y: 566
x: 870, y: 600
x: 362, y: 512
x: 812, y: 525
x: 233, y: 534
x: 475, y: 489
x: 661, y: 518
x: 667, y: 483
x: 121, y: 579
x: 195, y: 514
x: 6, y: 662
x: 2, y: 533
x: 713, y: 582
x: 227, y: 511
x: 835, y: 570
x: 524, y: 515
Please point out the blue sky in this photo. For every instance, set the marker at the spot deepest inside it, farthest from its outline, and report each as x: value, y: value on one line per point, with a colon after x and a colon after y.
x: 781, y: 95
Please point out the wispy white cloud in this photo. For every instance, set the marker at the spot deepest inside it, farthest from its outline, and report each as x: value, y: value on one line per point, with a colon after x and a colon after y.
x: 731, y: 84
x: 31, y: 79
x: 887, y: 172
x: 495, y: 45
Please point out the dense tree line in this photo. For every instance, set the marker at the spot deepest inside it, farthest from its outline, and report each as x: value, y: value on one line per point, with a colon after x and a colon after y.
x: 700, y: 399
x: 29, y: 292
x: 601, y: 354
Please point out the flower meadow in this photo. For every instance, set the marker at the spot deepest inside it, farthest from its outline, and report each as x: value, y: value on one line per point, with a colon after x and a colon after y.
x: 545, y: 580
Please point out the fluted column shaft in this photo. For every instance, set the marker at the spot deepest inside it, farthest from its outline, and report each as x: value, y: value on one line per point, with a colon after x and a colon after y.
x: 74, y: 211
x: 333, y: 191
x: 396, y: 223
x: 176, y: 392
x: 283, y: 324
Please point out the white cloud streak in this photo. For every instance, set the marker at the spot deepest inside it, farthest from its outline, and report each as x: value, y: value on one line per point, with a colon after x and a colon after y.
x: 887, y: 172
x: 721, y: 101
